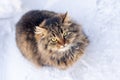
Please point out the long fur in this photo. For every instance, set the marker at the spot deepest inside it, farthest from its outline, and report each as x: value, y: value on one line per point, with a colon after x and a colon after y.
x: 34, y: 33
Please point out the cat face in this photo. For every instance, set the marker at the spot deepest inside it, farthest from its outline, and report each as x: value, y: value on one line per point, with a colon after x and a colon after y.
x: 57, y: 33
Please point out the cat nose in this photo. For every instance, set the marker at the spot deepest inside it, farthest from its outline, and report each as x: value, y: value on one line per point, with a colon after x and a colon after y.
x: 62, y: 43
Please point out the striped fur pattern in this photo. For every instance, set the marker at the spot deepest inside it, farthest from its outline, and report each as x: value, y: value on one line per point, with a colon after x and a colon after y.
x: 50, y: 39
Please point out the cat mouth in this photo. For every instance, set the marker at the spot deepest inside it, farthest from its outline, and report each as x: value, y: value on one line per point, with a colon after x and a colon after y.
x: 65, y: 47
x: 62, y: 46
x: 69, y: 46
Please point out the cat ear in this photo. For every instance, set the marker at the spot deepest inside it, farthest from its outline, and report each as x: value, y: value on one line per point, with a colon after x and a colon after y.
x: 65, y: 18
x: 40, y: 32
x: 42, y: 23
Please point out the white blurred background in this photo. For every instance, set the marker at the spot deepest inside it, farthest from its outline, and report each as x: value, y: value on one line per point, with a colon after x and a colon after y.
x: 101, y: 22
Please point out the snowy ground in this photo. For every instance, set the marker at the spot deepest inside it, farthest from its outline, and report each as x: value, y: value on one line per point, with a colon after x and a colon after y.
x: 101, y: 22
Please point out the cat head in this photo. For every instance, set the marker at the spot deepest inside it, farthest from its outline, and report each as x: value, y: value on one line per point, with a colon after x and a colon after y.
x: 56, y: 33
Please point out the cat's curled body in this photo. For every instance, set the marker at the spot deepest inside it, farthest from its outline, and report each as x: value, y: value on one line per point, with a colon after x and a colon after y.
x: 50, y: 39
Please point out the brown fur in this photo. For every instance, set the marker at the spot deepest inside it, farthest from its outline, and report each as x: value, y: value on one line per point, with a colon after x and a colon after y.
x: 42, y: 37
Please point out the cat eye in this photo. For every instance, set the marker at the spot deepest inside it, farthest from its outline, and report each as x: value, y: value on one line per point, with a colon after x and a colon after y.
x: 54, y: 39
x: 66, y: 33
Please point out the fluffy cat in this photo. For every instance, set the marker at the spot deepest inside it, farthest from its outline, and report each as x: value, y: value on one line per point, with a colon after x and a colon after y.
x: 47, y: 38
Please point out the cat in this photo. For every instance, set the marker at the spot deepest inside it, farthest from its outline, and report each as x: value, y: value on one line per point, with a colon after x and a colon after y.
x: 48, y: 38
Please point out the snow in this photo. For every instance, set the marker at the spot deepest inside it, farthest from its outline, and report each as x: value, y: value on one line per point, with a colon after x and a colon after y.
x: 101, y: 22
